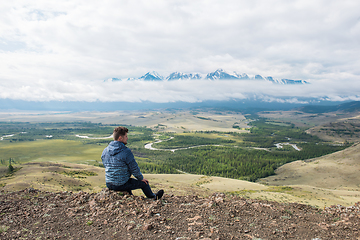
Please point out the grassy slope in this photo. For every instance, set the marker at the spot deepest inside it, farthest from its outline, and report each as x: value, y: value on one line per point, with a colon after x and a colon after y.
x: 56, y: 150
x: 332, y: 179
x: 48, y: 176
x: 339, y: 170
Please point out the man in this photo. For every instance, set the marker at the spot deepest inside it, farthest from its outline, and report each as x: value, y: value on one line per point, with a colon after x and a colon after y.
x: 120, y: 164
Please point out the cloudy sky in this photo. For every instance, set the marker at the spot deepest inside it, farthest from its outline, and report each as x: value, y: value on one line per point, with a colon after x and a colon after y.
x: 64, y: 50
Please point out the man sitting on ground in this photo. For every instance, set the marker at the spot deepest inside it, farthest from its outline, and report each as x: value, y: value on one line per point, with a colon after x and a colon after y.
x: 120, y: 164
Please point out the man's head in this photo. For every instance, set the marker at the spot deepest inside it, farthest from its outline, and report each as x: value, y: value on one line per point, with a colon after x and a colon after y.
x: 120, y: 134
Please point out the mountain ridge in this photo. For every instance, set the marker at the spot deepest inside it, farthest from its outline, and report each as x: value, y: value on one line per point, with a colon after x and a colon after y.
x: 219, y: 74
x: 346, y: 107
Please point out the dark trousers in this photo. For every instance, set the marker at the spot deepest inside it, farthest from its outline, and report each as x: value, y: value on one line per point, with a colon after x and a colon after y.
x: 133, y: 184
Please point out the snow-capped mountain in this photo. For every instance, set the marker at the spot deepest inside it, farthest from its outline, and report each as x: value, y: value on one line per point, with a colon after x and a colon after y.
x: 152, y: 76
x: 219, y: 74
x: 285, y: 81
x: 259, y: 77
x: 244, y: 76
x: 180, y: 76
x: 223, y: 75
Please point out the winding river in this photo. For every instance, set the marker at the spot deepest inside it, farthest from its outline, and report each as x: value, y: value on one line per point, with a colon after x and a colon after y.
x: 87, y: 137
x: 280, y: 145
x: 150, y: 147
x: 2, y: 138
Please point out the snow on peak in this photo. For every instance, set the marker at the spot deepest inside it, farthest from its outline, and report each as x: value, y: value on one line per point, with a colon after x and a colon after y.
x: 152, y: 76
x: 221, y: 74
x: 180, y: 75
x: 285, y: 81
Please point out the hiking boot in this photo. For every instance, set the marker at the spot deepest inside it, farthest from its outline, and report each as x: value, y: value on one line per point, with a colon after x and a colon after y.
x: 159, y: 194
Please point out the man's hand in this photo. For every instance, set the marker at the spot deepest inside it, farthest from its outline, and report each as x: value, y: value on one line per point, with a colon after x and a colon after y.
x: 145, y: 181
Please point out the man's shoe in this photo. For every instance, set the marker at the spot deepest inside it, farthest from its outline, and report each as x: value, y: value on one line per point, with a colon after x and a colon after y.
x: 159, y: 194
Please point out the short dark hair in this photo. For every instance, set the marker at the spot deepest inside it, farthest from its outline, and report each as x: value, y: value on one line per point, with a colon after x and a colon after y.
x: 119, y: 131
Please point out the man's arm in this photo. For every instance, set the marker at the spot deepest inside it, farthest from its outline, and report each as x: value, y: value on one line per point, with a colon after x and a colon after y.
x: 133, y: 166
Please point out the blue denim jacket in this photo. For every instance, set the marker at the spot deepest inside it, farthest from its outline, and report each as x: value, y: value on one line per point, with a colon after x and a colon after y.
x: 119, y: 163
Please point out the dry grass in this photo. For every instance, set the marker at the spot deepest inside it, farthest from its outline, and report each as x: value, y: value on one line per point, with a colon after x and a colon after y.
x: 48, y: 176
x: 339, y: 170
x: 332, y: 179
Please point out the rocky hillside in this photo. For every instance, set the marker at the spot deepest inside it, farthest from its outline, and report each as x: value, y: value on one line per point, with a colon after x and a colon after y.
x: 33, y: 214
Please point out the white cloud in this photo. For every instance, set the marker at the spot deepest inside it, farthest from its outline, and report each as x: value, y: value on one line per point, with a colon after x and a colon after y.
x: 62, y: 50
x: 184, y: 90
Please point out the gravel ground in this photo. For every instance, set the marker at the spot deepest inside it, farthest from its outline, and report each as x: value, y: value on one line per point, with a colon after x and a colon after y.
x: 34, y: 214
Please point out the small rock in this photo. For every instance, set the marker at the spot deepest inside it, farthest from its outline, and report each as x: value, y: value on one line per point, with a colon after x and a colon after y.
x: 130, y: 227
x: 219, y: 200
x: 147, y: 227
x: 194, y: 218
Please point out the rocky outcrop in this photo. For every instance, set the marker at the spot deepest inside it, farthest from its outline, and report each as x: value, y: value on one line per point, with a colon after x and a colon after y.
x: 32, y: 214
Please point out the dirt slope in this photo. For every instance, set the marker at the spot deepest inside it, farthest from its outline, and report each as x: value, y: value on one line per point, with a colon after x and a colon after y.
x: 31, y: 214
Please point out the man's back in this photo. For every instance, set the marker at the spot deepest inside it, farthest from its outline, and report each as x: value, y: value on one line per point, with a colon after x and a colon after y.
x: 119, y: 164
